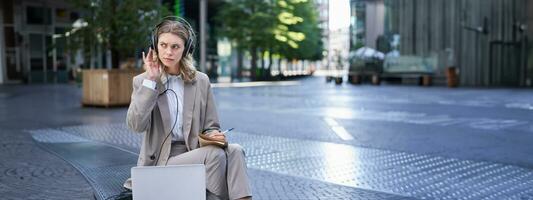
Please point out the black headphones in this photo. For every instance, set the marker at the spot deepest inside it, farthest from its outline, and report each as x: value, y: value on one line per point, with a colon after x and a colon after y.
x: 189, y: 44
x: 189, y: 49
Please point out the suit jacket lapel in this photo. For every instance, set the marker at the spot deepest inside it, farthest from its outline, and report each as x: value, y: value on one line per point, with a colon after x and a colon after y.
x: 189, y: 99
x: 162, y: 104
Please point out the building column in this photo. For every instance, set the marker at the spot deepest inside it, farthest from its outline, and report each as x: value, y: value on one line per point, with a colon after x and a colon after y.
x: 203, y: 23
x: 3, y: 66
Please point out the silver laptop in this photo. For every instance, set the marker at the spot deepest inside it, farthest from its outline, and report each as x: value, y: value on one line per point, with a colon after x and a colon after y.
x: 169, y: 182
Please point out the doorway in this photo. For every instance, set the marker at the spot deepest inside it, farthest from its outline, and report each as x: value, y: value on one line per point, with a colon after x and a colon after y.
x: 40, y: 58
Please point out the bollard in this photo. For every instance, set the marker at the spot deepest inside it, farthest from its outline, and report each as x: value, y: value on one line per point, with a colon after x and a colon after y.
x: 451, y: 76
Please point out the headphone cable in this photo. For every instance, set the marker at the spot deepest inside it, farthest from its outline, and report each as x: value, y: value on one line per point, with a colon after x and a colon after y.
x: 173, y: 125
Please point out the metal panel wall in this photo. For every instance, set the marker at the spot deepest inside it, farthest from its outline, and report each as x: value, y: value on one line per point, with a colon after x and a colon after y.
x: 486, y: 36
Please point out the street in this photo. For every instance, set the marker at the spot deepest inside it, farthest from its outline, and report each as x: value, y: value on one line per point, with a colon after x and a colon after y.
x: 304, y: 139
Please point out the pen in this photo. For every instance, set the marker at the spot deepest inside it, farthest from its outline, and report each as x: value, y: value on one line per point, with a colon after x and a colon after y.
x: 224, y: 132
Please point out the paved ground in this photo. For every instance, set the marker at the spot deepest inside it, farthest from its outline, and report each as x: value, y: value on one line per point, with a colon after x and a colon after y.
x: 307, y: 140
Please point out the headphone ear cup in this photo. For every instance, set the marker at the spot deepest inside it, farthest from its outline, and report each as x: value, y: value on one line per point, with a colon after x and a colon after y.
x: 192, y: 46
x: 189, y: 47
x: 154, y: 42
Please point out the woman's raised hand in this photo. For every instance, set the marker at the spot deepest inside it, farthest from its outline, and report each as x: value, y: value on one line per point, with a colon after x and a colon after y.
x: 152, y: 65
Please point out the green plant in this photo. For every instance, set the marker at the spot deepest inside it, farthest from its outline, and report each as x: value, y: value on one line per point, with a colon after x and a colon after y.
x: 119, y: 26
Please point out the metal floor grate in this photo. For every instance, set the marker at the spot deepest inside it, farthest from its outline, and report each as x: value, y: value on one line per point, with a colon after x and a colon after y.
x: 400, y: 173
x: 415, y: 175
x: 105, y: 167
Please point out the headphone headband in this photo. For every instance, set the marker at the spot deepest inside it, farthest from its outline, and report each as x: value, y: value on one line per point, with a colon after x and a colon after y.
x: 189, y: 43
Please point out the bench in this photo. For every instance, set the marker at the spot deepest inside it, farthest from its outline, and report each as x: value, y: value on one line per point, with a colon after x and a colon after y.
x: 405, y: 68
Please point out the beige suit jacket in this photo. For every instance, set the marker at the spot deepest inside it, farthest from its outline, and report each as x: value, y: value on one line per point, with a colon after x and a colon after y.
x: 149, y: 114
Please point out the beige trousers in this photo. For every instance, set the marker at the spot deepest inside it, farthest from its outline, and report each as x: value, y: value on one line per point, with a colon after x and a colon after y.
x: 226, y: 172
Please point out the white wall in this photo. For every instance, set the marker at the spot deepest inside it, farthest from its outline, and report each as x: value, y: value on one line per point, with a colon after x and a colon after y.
x: 339, y: 42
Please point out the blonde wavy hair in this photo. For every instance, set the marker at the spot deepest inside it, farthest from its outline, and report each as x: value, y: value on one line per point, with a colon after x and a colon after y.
x: 186, y: 64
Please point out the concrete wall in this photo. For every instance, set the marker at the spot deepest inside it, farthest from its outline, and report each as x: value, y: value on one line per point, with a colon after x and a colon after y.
x: 375, y: 16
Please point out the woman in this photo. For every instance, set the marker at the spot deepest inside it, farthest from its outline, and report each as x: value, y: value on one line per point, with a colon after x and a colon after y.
x: 172, y: 104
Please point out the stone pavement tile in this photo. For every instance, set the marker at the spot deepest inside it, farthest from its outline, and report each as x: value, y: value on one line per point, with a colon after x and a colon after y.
x: 29, y: 172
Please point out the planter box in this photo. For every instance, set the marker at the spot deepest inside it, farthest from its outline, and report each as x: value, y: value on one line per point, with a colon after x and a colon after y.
x: 103, y: 87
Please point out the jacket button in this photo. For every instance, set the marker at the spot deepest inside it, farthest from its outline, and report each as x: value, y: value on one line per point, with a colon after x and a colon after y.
x: 152, y: 157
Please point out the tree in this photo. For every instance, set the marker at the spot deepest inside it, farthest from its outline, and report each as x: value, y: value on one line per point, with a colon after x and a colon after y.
x: 248, y: 23
x: 307, y: 35
x: 116, y: 25
x: 285, y: 27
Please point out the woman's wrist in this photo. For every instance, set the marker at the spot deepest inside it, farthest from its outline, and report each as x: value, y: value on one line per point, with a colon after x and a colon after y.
x: 209, y: 132
x: 152, y: 77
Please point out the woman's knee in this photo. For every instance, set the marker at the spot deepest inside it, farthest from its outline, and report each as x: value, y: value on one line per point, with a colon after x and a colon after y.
x: 235, y: 149
x: 216, y: 154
